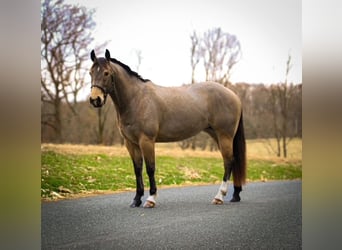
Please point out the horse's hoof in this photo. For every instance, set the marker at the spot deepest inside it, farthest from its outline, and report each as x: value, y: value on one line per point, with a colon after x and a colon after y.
x: 149, y: 204
x: 235, y: 199
x: 135, y: 203
x: 217, y: 202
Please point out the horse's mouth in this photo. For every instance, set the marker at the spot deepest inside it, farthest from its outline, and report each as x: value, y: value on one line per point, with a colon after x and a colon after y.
x: 96, y: 102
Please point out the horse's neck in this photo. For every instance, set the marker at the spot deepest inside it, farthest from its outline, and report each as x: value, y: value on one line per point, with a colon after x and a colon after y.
x: 125, y: 89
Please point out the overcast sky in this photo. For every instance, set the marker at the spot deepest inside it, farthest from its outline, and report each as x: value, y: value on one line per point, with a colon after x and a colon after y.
x: 268, y: 31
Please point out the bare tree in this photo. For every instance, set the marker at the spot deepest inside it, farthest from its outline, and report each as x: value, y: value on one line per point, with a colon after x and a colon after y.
x: 285, y: 94
x: 281, y: 97
x: 195, y: 54
x: 274, y: 105
x: 65, y: 37
x: 220, y: 52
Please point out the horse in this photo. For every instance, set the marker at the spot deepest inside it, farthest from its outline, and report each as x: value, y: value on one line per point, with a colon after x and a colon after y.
x: 148, y: 113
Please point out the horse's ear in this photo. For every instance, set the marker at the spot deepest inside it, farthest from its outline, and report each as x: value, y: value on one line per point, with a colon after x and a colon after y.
x: 107, y: 54
x: 92, y: 55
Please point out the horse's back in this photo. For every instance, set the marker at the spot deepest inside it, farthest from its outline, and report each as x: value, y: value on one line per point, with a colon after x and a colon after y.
x: 187, y: 110
x: 214, y: 89
x: 206, y: 98
x: 216, y: 96
x: 197, y: 94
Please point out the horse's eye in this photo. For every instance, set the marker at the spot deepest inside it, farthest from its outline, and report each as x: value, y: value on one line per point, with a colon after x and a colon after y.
x: 106, y: 73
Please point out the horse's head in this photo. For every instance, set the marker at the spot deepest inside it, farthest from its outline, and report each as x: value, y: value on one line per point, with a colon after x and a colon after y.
x: 101, y: 79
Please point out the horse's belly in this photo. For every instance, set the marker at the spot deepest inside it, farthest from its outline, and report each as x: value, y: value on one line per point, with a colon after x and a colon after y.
x: 177, y: 131
x: 174, y: 137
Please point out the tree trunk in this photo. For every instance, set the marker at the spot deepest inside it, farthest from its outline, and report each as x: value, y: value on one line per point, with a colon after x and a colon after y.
x: 58, y: 121
x: 284, y: 147
x: 100, y: 127
x: 278, y: 146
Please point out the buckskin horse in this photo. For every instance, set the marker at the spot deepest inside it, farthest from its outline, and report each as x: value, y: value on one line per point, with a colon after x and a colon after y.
x: 148, y: 113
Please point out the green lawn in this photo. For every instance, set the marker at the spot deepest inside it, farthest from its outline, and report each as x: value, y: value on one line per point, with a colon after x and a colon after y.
x: 94, y: 172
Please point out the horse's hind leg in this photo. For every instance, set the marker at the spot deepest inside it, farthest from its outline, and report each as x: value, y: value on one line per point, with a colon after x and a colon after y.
x: 226, y: 147
x: 236, y: 194
x: 137, y: 159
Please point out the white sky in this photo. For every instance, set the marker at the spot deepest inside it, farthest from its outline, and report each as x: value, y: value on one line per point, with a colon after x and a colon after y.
x: 268, y: 31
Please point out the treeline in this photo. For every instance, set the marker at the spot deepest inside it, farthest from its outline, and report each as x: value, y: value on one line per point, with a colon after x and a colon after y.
x: 262, y: 109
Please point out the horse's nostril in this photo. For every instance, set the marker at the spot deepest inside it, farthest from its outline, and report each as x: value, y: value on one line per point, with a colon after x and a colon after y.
x: 98, y: 101
x: 92, y: 101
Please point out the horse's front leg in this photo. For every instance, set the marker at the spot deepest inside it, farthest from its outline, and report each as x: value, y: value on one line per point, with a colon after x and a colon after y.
x: 138, y: 166
x: 137, y: 159
x: 147, y: 148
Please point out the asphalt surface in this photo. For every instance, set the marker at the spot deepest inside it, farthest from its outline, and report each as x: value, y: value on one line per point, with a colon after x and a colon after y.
x: 268, y: 217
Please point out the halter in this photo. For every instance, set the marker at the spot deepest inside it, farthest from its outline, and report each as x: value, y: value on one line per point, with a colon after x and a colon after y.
x: 103, y: 89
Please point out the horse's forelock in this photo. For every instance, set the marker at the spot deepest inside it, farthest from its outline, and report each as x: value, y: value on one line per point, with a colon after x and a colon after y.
x: 102, y: 63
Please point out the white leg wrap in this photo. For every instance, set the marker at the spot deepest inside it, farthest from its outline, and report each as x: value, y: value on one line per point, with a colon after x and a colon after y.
x: 219, y: 196
x: 224, y: 187
x: 151, y: 198
x: 221, y: 192
x: 150, y: 201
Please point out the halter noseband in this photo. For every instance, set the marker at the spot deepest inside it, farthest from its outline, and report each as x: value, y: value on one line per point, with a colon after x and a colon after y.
x: 104, y: 90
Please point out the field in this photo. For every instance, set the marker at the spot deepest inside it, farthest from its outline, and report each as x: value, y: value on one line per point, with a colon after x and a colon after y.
x: 80, y: 170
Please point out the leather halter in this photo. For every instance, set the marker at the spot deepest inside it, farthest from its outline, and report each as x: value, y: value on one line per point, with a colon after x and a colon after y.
x: 103, y: 89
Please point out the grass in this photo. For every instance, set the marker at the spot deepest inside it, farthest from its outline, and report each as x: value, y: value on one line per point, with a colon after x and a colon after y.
x: 74, y: 170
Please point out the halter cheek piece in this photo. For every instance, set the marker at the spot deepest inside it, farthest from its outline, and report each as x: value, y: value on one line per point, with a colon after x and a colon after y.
x: 104, y: 91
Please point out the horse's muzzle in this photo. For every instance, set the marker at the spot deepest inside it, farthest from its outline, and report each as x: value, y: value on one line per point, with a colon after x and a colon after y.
x: 96, y: 102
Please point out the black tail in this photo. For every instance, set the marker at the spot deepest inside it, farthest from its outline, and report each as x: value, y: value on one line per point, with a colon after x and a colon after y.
x: 239, y: 152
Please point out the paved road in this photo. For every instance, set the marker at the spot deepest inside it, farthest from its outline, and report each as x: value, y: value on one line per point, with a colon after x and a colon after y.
x: 268, y: 217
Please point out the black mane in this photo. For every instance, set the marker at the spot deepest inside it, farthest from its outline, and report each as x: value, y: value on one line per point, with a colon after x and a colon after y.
x: 128, y: 69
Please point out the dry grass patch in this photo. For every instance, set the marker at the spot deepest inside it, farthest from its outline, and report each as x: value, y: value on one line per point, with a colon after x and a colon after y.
x: 256, y: 149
